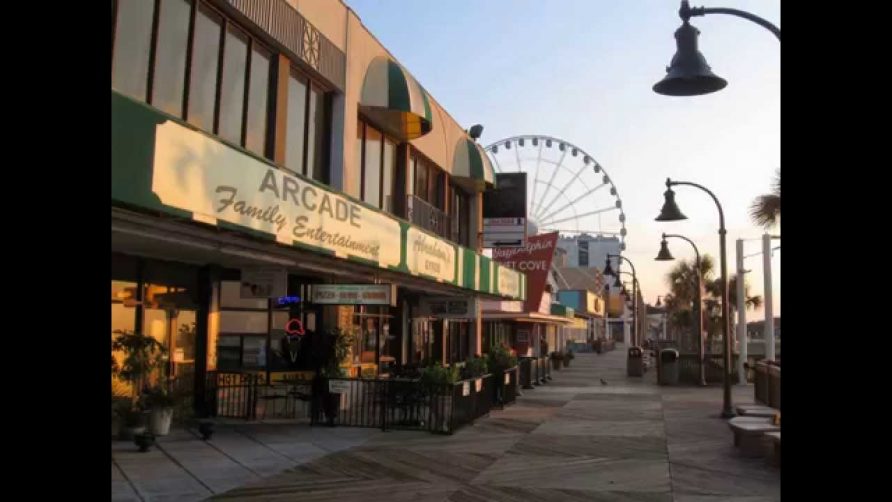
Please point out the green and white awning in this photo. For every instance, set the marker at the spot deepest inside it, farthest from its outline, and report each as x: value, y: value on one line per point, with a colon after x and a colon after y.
x: 471, y: 167
x: 392, y: 100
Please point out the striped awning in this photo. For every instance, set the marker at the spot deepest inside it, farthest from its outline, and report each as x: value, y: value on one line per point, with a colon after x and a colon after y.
x: 471, y: 167
x: 392, y: 100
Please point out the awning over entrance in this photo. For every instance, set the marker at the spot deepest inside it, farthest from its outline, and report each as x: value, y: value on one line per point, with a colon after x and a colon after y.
x: 394, y: 101
x: 471, y: 167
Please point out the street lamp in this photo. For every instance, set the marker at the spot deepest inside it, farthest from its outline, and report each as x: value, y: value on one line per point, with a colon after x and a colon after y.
x: 665, y: 255
x: 687, y: 73
x: 608, y: 270
x: 670, y: 212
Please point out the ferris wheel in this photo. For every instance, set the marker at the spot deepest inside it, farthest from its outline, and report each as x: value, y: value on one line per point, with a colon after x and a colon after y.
x: 567, y: 190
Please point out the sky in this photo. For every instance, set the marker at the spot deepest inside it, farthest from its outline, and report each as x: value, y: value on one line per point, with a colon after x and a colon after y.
x: 582, y: 71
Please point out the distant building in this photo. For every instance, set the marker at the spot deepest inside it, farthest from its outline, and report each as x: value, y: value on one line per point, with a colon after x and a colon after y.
x: 756, y: 330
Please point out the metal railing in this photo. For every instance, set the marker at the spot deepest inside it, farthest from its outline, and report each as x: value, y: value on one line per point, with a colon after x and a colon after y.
x: 689, y: 368
x: 429, y: 217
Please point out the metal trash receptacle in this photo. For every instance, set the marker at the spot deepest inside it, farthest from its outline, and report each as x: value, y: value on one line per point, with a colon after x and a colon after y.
x: 635, y: 362
x: 526, y: 372
x: 668, y: 374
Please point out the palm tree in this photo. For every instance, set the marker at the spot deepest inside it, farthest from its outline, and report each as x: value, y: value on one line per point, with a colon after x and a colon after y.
x: 713, y: 308
x: 765, y: 210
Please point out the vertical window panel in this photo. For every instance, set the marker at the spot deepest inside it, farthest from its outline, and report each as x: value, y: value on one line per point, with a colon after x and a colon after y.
x: 170, y: 56
x: 372, y: 167
x: 316, y: 135
x: 389, y: 168
x: 258, y: 106
x: 232, y: 91
x: 133, y: 38
x: 205, y: 60
x: 297, y: 108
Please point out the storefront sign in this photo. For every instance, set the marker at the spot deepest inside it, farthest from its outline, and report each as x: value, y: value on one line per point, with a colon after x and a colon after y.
x: 353, y: 294
x: 446, y: 308
x: 534, y: 260
x: 264, y: 282
x: 339, y: 386
x: 430, y: 256
x: 196, y: 173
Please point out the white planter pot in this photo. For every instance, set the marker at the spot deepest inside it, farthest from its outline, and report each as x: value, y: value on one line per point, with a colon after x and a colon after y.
x: 159, y: 421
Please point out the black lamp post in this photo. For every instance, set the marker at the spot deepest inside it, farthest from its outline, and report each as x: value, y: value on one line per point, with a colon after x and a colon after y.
x: 665, y: 255
x: 670, y: 212
x: 608, y: 270
x: 688, y: 74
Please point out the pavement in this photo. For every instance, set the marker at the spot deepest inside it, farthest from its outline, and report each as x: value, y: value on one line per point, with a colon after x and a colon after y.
x: 571, y: 439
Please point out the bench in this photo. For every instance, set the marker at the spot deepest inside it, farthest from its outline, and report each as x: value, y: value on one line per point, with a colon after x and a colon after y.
x: 748, y: 432
x: 774, y: 447
x: 755, y: 410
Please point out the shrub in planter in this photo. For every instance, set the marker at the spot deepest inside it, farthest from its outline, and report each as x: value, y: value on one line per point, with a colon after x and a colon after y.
x: 475, y: 367
x: 160, y: 404
x: 437, y: 380
x: 569, y: 356
x: 557, y: 359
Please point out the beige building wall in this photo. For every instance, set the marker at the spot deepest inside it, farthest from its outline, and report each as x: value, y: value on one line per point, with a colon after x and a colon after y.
x: 344, y: 28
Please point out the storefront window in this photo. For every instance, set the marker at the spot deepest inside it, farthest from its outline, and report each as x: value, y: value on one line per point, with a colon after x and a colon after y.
x: 258, y: 90
x: 123, y: 320
x: 297, y: 123
x: 232, y: 87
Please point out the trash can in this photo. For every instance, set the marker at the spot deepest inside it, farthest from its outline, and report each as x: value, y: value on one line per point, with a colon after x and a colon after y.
x: 526, y: 372
x: 668, y: 365
x: 635, y: 362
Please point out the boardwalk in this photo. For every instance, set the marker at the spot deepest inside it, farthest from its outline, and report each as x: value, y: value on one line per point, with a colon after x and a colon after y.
x: 573, y: 439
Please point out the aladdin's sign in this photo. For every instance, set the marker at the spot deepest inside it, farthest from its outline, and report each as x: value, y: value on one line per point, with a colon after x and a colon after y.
x: 215, y: 182
x: 535, y: 260
x: 428, y: 255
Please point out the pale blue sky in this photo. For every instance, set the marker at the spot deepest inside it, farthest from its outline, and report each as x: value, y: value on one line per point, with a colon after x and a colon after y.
x: 582, y: 70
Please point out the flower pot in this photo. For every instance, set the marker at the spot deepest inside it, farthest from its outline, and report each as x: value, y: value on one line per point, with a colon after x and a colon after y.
x: 128, y: 432
x: 159, y: 421
x: 144, y: 441
x: 206, y: 429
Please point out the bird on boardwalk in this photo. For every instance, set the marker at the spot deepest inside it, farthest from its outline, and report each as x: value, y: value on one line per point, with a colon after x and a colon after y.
x: 603, y: 382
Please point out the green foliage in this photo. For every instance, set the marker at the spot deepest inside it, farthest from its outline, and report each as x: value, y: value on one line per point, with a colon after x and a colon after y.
x: 437, y: 374
x: 341, y: 344
x: 475, y: 367
x: 142, y: 355
x: 500, y: 359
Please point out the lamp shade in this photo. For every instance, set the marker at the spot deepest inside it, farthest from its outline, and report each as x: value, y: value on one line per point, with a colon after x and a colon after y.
x: 664, y: 254
x: 608, y: 269
x: 670, y: 211
x: 688, y: 74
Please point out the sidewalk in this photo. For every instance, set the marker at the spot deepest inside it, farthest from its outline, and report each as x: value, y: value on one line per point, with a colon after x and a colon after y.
x: 572, y: 439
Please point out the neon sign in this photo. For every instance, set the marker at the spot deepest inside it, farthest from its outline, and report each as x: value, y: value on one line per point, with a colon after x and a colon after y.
x: 295, y: 327
x: 287, y: 300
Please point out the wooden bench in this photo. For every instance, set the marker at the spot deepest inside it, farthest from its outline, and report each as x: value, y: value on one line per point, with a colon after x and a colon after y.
x: 748, y: 432
x: 774, y: 447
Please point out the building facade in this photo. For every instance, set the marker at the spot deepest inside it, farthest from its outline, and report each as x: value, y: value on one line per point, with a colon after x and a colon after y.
x: 281, y: 138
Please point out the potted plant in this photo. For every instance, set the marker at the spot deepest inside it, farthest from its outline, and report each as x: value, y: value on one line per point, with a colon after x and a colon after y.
x: 141, y: 356
x: 556, y: 360
x: 335, y: 349
x: 144, y: 441
x: 569, y: 356
x: 160, y: 404
x: 437, y: 381
x: 475, y: 367
x: 132, y: 421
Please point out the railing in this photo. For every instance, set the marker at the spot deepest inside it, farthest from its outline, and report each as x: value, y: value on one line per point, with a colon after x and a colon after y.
x: 428, y: 217
x: 689, y: 368
x: 767, y: 384
x: 247, y: 396
x: 405, y: 404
